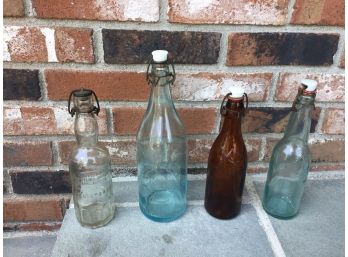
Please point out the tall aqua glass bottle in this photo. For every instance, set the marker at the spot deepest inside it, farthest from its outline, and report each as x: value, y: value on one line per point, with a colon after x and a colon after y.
x: 290, y: 161
x: 161, y: 148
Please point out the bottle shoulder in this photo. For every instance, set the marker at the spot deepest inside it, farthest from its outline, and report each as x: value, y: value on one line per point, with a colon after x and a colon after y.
x: 231, y: 149
x: 163, y: 124
x: 291, y: 148
x: 94, y: 154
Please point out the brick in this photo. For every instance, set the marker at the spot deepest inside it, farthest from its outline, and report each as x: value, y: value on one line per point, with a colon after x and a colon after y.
x: 40, y: 182
x: 257, y: 170
x: 132, y: 46
x: 196, y: 120
x: 253, y: 146
x: 319, y: 12
x: 31, y: 226
x: 321, y: 150
x: 214, y: 86
x: 113, y: 10
x: 333, y: 121
x: 24, y: 44
x: 28, y: 120
x: 132, y: 86
x: 327, y: 167
x: 13, y: 8
x: 267, y: 12
x: 121, y: 152
x: 281, y: 49
x: 124, y: 171
x: 74, y: 45
x: 32, y: 44
x: 21, y: 84
x: 34, y: 209
x: 272, y: 120
x: 327, y: 150
x: 40, y: 226
x: 127, y: 119
x: 331, y: 87
x: 198, y: 149
x: 27, y: 154
x: 118, y: 86
x: 270, y: 144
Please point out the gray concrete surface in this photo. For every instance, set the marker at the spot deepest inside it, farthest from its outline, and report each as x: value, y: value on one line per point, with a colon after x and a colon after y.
x: 194, y: 234
x: 29, y: 246
x: 318, y: 229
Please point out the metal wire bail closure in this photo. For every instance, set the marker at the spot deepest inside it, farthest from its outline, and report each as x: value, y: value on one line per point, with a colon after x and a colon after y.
x: 223, y: 109
x: 300, y: 91
x: 153, y: 80
x: 72, y: 111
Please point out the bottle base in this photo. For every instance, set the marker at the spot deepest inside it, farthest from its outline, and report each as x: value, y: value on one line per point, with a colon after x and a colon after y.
x: 280, y: 208
x: 222, y: 216
x: 163, y: 206
x: 99, y: 224
x: 95, y: 215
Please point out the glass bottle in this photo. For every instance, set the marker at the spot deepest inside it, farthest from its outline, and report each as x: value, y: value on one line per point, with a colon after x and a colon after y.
x: 161, y: 148
x: 89, y: 165
x: 227, y: 162
x: 290, y: 161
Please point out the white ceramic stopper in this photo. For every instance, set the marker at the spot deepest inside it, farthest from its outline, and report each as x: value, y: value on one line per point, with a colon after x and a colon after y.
x: 160, y: 55
x: 310, y: 84
x: 237, y: 91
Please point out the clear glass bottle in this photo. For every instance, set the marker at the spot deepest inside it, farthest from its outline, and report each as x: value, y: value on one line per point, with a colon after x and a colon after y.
x: 89, y: 165
x: 161, y: 149
x: 227, y: 162
x: 290, y: 161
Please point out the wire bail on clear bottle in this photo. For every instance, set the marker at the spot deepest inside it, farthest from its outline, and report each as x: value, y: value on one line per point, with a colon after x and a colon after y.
x: 152, y: 79
x: 84, y: 97
x: 224, y: 110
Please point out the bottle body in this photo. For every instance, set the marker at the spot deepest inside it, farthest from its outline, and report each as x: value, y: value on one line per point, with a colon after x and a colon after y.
x: 91, y: 179
x: 227, y: 165
x: 288, y: 170
x: 290, y: 163
x: 162, y: 157
x: 90, y: 165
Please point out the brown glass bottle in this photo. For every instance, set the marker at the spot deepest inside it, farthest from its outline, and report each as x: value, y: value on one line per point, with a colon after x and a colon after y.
x: 227, y: 163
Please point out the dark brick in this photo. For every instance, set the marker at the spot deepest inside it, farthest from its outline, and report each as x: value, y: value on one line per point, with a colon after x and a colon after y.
x: 131, y: 46
x: 124, y: 171
x: 272, y: 120
x: 21, y: 84
x: 10, y: 227
x: 281, y: 49
x: 40, y: 182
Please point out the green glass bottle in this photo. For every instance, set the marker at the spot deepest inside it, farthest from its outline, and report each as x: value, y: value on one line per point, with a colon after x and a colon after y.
x: 290, y: 161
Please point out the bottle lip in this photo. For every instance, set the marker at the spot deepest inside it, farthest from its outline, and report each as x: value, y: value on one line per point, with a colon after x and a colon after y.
x: 308, y: 93
x: 235, y: 99
x: 82, y: 92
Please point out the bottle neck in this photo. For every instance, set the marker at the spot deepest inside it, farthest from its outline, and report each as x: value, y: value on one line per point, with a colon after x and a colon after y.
x: 86, y: 129
x: 160, y: 91
x: 300, y: 119
x: 233, y: 117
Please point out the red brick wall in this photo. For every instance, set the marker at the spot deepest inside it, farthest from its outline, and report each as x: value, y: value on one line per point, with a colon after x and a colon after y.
x: 55, y: 46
